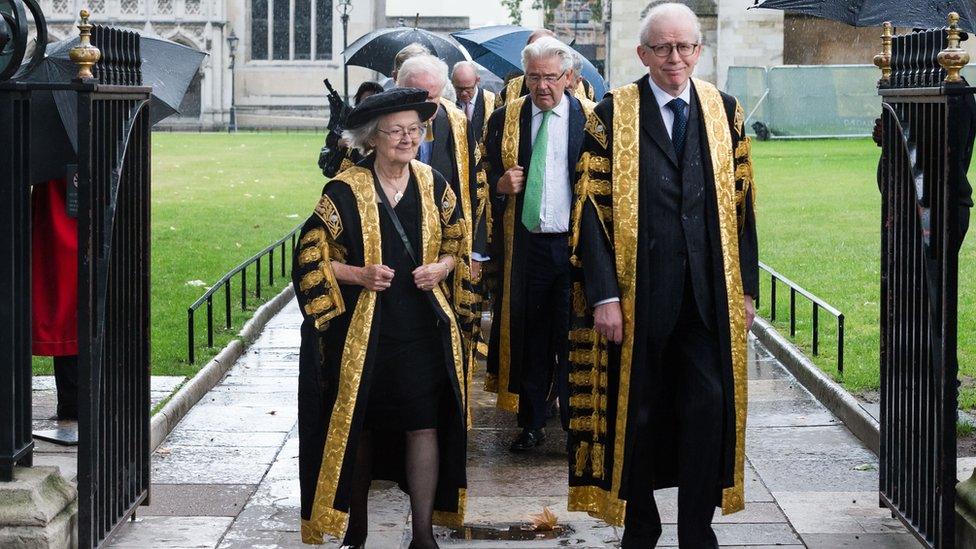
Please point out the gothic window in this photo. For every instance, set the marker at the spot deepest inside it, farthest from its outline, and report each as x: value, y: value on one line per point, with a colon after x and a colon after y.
x: 291, y: 30
x: 130, y: 7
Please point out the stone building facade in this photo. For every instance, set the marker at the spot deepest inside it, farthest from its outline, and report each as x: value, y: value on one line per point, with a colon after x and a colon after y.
x: 285, y: 49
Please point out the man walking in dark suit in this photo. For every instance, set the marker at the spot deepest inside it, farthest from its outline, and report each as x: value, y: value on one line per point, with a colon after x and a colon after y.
x: 669, y: 273
x: 532, y: 148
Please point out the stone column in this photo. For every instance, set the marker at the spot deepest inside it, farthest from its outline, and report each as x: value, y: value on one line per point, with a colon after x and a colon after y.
x: 38, y: 510
x: 747, y: 37
x: 623, y: 66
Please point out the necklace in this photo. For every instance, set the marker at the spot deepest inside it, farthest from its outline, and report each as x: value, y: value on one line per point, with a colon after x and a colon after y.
x: 398, y: 194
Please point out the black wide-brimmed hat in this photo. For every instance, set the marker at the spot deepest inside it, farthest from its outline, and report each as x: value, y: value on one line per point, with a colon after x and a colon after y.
x: 395, y: 100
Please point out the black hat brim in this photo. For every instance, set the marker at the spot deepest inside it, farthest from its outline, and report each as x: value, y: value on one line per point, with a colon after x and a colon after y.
x: 425, y: 109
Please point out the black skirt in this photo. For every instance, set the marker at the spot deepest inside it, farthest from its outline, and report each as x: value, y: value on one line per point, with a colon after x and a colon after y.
x: 409, y: 378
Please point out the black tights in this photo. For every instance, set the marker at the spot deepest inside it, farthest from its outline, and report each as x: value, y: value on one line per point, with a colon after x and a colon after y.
x: 422, y: 470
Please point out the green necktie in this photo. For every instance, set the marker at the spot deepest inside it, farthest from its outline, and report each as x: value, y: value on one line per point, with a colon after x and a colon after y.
x: 532, y: 205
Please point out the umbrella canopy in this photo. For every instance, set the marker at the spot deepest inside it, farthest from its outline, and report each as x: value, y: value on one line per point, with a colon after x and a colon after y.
x: 498, y: 48
x: 925, y: 14
x: 376, y: 50
x: 167, y: 67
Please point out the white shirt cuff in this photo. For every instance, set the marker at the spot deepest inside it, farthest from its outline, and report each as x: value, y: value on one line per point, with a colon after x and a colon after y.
x: 604, y: 301
x: 478, y: 257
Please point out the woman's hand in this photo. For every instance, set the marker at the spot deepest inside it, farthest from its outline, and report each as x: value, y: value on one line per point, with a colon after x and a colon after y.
x: 375, y: 277
x: 429, y: 275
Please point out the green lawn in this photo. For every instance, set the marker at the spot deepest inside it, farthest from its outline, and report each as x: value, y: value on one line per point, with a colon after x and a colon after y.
x: 219, y: 198
x: 819, y: 212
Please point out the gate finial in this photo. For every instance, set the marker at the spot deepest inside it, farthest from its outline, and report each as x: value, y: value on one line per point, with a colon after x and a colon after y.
x: 883, y: 59
x: 84, y: 54
x: 953, y: 58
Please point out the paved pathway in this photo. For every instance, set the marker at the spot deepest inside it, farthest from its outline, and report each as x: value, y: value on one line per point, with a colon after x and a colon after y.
x: 227, y: 475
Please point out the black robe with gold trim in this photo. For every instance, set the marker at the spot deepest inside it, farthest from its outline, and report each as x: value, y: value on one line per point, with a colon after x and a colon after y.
x: 509, y: 143
x: 603, y: 380
x: 339, y: 337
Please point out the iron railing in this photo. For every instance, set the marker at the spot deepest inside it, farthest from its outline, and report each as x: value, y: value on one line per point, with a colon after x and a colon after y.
x: 225, y: 284
x: 16, y: 443
x: 816, y: 303
x: 924, y: 126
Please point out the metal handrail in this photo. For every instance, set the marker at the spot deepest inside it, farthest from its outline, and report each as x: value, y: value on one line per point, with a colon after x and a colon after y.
x: 225, y: 283
x: 817, y: 303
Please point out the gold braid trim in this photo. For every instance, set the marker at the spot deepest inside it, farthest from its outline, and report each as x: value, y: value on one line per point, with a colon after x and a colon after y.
x: 325, y: 518
x: 459, y: 131
x: 513, y: 91
x: 323, y: 298
x: 720, y: 149
x: 510, y: 145
x: 327, y: 212
x: 598, y: 503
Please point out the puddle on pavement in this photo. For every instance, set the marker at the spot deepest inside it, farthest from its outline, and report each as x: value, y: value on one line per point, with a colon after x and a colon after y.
x: 515, y: 532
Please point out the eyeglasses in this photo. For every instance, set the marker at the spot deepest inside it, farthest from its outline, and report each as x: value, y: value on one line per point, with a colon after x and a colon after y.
x: 664, y: 50
x: 534, y: 79
x: 397, y: 133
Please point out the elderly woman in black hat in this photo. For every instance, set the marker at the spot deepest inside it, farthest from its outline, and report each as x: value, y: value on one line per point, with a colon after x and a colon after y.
x: 381, y: 368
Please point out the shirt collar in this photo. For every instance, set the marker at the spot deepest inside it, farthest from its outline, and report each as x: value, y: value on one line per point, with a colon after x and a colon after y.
x: 663, y: 97
x: 561, y: 110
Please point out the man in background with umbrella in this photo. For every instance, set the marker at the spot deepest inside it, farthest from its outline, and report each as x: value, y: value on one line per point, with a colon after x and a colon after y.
x: 476, y: 102
x: 449, y: 147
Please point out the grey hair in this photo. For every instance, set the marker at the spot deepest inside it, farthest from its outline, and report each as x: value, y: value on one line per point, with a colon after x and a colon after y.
x: 667, y: 10
x: 463, y: 64
x: 548, y: 46
x: 577, y: 63
x: 410, y: 50
x: 422, y: 64
x: 360, y: 136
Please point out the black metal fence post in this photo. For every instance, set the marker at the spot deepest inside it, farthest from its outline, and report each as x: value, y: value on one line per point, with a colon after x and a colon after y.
x: 16, y: 442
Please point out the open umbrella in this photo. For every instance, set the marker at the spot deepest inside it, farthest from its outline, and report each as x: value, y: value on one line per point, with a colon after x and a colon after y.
x: 925, y: 14
x: 167, y: 67
x: 498, y: 48
x: 376, y: 50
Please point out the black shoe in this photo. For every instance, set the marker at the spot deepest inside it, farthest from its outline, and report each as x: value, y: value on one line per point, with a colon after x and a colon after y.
x: 67, y: 412
x: 528, y: 439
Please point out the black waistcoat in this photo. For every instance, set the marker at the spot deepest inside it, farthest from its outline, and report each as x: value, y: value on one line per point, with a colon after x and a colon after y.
x: 672, y: 222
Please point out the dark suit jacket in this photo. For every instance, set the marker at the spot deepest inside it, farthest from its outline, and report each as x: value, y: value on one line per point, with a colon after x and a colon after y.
x: 479, y: 117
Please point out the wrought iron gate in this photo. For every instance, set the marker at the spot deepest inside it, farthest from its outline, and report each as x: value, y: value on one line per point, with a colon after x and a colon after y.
x: 919, y: 250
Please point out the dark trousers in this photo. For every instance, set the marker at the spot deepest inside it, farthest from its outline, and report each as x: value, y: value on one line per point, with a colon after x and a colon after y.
x: 66, y: 381
x: 546, y: 323
x: 686, y: 386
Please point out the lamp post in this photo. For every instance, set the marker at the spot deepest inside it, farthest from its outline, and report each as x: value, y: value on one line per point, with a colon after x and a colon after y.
x: 232, y: 40
x: 344, y: 7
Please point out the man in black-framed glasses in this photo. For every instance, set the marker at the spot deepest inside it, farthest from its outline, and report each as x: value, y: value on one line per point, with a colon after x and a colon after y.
x: 665, y: 238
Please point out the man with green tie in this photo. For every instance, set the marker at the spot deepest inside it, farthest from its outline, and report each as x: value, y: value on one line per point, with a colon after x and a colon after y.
x: 532, y: 147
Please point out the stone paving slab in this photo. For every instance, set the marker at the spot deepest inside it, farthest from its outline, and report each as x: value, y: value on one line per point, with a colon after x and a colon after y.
x: 837, y: 512
x: 861, y: 541
x: 198, y: 500
x: 218, y: 465
x: 171, y: 532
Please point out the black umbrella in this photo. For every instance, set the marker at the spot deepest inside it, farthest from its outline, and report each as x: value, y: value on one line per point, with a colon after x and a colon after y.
x: 167, y: 67
x: 924, y: 14
x: 377, y: 50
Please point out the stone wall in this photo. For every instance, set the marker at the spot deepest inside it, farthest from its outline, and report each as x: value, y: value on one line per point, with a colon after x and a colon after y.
x: 747, y: 37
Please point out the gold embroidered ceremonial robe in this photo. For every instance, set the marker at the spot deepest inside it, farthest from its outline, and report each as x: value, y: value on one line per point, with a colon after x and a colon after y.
x: 604, y: 379
x: 339, y: 348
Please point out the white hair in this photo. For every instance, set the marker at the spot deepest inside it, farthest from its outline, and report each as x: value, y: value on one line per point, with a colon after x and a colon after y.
x: 463, y: 64
x: 548, y: 46
x: 360, y: 136
x: 668, y: 10
x: 422, y: 64
x: 577, y: 63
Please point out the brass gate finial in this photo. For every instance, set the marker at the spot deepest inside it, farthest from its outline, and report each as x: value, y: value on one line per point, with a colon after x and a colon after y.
x: 883, y: 59
x: 953, y: 58
x: 84, y: 54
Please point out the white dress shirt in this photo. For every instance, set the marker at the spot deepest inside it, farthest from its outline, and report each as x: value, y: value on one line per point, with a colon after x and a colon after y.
x: 468, y: 107
x: 557, y: 194
x: 663, y: 98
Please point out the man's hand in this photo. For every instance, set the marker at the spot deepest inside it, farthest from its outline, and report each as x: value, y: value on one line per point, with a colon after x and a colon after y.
x: 608, y: 321
x: 750, y: 312
x: 512, y: 181
x: 375, y: 277
x: 475, y: 270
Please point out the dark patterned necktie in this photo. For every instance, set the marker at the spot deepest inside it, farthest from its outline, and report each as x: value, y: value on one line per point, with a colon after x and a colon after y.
x: 680, y: 127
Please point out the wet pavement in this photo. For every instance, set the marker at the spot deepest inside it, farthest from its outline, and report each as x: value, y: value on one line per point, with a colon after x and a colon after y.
x: 227, y: 476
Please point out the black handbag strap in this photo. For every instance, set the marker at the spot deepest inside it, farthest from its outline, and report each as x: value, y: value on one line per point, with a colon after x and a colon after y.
x: 396, y: 220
